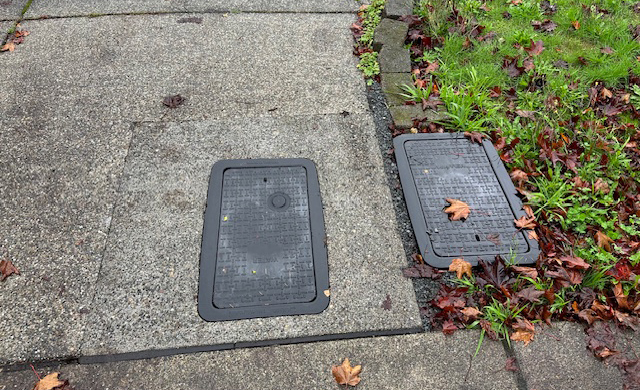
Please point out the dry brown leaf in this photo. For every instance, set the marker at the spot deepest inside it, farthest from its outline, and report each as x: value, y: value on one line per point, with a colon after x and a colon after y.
x: 7, y: 269
x: 620, y: 297
x: 49, y: 382
x: 460, y: 267
x: 344, y: 374
x: 603, y: 241
x: 457, y: 210
x: 525, y: 223
x: 576, y: 24
x: 9, y: 46
x: 522, y: 335
x: 471, y: 312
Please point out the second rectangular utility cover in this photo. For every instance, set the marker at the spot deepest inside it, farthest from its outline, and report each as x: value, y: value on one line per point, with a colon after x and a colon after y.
x: 263, y: 251
x: 434, y: 167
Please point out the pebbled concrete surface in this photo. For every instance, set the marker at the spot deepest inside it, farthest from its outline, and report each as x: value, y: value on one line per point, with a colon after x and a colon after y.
x: 59, y: 182
x: 422, y: 361
x: 60, y: 8
x: 260, y: 85
x: 558, y: 359
x: 121, y: 67
x: 148, y: 284
x: 11, y: 9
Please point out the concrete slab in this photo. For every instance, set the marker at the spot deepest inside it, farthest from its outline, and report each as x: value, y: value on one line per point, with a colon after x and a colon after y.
x: 558, y: 359
x: 59, y: 180
x: 147, y: 291
x: 11, y: 9
x: 71, y: 110
x: 121, y: 67
x: 423, y: 361
x: 4, y: 28
x: 83, y: 7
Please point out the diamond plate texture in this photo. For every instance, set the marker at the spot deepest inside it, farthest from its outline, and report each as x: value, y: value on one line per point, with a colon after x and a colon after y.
x: 264, y: 245
x: 459, y: 169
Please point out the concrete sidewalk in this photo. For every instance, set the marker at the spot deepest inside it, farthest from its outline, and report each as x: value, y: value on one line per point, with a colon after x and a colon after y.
x: 103, y: 190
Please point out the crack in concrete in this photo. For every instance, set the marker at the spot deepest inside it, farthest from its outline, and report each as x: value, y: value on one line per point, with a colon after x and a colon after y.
x: 521, y: 381
x: 207, y: 12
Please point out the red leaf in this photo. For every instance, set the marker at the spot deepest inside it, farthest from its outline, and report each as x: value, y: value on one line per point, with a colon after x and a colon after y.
x: 535, y: 48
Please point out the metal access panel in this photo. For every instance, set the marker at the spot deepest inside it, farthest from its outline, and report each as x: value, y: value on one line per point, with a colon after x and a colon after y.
x: 263, y: 251
x: 434, y: 167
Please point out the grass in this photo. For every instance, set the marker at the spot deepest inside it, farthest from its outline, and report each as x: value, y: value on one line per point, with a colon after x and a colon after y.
x: 565, y: 116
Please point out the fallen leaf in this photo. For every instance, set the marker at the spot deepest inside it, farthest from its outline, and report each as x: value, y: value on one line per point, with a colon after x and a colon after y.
x: 494, y: 238
x: 535, y: 48
x: 511, y: 365
x: 523, y: 336
x: 620, y: 297
x: 49, y: 382
x: 421, y: 271
x: 9, y: 46
x: 526, y: 114
x: 526, y: 271
x: 344, y: 374
x: 525, y: 223
x: 606, y: 50
x: 576, y: 24
x: 603, y: 241
x: 474, y: 136
x: 530, y: 294
x: 448, y: 327
x: 386, y: 304
x: 471, y: 313
x: 457, y: 210
x: 575, y: 262
x: 173, y: 101
x: 7, y: 269
x: 460, y: 267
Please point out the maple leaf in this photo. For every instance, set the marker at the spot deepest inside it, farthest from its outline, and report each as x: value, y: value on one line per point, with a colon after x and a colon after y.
x: 457, y: 210
x: 10, y: 46
x: 511, y: 364
x: 448, y: 327
x: 386, y: 304
x: 474, y: 136
x: 525, y: 223
x: 576, y: 24
x: 546, y: 26
x: 173, y: 101
x: 421, y: 271
x: 535, y: 48
x: 510, y: 64
x: 7, y: 269
x: 530, y: 294
x: 620, y: 297
x: 344, y: 374
x: 460, y: 267
x: 471, y: 313
x: 603, y: 241
x: 526, y: 114
x: 574, y: 262
x: 49, y: 382
x: 519, y: 176
x: 527, y: 271
x: 524, y: 336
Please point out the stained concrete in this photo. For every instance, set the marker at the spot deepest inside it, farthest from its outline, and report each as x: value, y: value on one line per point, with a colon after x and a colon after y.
x: 256, y: 85
x: 558, y: 359
x: 146, y: 293
x: 423, y: 361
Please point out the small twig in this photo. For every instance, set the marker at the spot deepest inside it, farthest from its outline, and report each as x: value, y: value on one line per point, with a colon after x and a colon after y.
x: 35, y: 372
x: 466, y: 377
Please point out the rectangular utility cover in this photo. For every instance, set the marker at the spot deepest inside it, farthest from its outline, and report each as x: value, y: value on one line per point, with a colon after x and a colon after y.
x: 263, y: 251
x: 434, y: 167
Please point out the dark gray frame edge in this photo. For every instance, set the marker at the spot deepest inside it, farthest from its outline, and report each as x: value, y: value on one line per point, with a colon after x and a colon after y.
x: 209, y: 247
x: 415, y: 209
